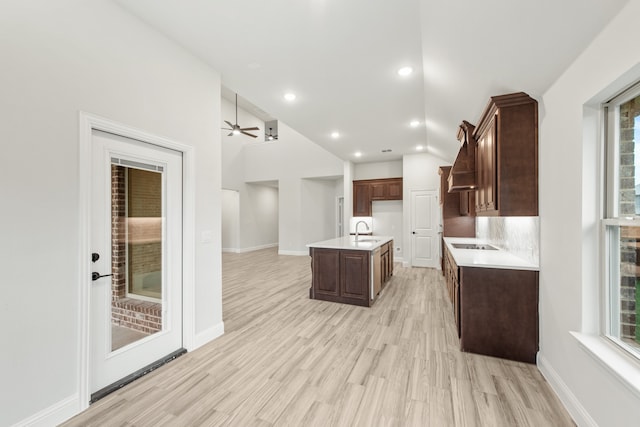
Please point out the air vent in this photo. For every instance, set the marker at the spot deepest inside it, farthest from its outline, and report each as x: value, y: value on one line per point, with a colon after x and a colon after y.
x: 387, y: 150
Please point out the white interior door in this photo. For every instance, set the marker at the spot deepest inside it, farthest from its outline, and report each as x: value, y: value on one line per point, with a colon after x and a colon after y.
x: 424, y: 228
x: 135, y: 312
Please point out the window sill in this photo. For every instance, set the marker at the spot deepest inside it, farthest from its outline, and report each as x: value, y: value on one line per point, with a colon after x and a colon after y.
x: 626, y: 369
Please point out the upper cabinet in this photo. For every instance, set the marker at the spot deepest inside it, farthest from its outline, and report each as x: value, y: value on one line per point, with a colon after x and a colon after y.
x: 507, y: 157
x: 361, y: 199
x: 368, y: 190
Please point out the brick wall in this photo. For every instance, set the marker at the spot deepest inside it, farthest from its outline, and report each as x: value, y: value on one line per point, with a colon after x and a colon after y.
x: 629, y: 236
x: 143, y: 316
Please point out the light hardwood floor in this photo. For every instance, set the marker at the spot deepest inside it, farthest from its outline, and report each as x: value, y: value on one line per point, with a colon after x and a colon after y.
x: 287, y: 360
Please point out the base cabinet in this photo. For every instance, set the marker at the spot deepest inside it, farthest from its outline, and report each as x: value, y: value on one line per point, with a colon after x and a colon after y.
x: 340, y: 276
x: 354, y: 276
x: 347, y: 276
x: 495, y: 310
x: 499, y: 313
x: 386, y: 260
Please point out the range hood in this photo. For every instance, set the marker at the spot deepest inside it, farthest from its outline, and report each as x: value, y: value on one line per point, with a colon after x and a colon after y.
x: 463, y: 172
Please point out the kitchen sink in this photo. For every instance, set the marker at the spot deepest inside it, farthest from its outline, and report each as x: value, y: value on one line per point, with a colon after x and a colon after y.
x: 474, y: 246
x: 367, y: 240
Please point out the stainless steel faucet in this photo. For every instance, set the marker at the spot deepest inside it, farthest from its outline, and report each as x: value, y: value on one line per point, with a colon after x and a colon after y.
x: 358, y: 223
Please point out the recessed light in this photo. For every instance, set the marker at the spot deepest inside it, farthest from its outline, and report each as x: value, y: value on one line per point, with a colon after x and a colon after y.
x: 419, y: 148
x: 405, y: 71
x: 414, y: 123
x: 335, y: 134
x: 289, y: 96
x: 357, y: 154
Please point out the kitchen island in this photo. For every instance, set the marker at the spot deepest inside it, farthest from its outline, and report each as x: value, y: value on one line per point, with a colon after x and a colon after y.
x: 350, y: 271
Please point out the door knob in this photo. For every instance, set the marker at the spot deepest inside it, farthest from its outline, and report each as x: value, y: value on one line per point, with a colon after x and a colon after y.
x: 95, y: 276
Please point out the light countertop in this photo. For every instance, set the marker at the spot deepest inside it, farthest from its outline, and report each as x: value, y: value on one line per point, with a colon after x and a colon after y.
x: 365, y: 243
x: 486, y: 258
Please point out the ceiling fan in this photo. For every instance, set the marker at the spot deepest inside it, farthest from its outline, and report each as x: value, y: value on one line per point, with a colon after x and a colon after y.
x: 236, y: 129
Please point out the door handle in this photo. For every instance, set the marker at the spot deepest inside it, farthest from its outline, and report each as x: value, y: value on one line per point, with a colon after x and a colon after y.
x: 95, y: 276
x: 413, y: 232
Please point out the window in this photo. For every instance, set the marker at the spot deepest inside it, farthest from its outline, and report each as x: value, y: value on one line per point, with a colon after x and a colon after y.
x: 622, y: 220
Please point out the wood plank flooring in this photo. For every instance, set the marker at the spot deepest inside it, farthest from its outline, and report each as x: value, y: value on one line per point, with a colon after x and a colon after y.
x: 286, y: 360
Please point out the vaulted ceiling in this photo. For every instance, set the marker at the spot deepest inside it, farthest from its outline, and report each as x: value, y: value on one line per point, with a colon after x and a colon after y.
x: 340, y: 58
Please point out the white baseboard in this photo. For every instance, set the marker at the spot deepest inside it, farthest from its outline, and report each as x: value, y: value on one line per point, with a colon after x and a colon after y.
x: 70, y: 407
x: 208, y: 335
x: 579, y: 414
x: 54, y: 414
x: 294, y: 253
x: 251, y: 249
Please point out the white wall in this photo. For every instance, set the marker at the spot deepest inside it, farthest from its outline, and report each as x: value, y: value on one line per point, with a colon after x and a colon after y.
x: 319, y: 210
x: 288, y: 161
x: 258, y: 204
x: 569, y: 260
x: 348, y: 168
x: 259, y: 211
x: 420, y: 172
x: 378, y: 170
x: 230, y: 220
x: 60, y: 58
x: 387, y: 221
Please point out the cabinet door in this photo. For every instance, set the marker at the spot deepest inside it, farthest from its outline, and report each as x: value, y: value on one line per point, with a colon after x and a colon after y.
x: 394, y: 190
x: 354, y: 274
x: 480, y: 166
x: 378, y: 190
x: 361, y: 200
x: 390, y: 260
x: 486, y: 169
x: 326, y: 272
x: 491, y: 167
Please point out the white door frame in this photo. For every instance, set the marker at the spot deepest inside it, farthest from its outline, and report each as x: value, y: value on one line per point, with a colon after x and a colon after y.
x: 88, y: 123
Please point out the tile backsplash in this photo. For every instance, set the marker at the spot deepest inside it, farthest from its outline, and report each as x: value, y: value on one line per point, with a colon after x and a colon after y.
x: 519, y: 235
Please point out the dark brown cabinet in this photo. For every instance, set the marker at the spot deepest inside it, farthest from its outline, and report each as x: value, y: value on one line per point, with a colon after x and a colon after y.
x: 340, y: 275
x: 457, y: 216
x: 467, y: 203
x: 368, y: 190
x: 325, y: 272
x: 386, y: 261
x: 347, y: 276
x: 499, y: 312
x: 361, y: 199
x: 507, y: 157
x: 495, y: 310
x: 451, y: 279
x: 354, y: 276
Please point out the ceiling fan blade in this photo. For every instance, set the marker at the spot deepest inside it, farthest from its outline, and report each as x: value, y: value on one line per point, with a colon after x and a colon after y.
x: 226, y: 128
x: 229, y: 123
x: 253, y: 128
x: 246, y: 133
x: 231, y: 134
